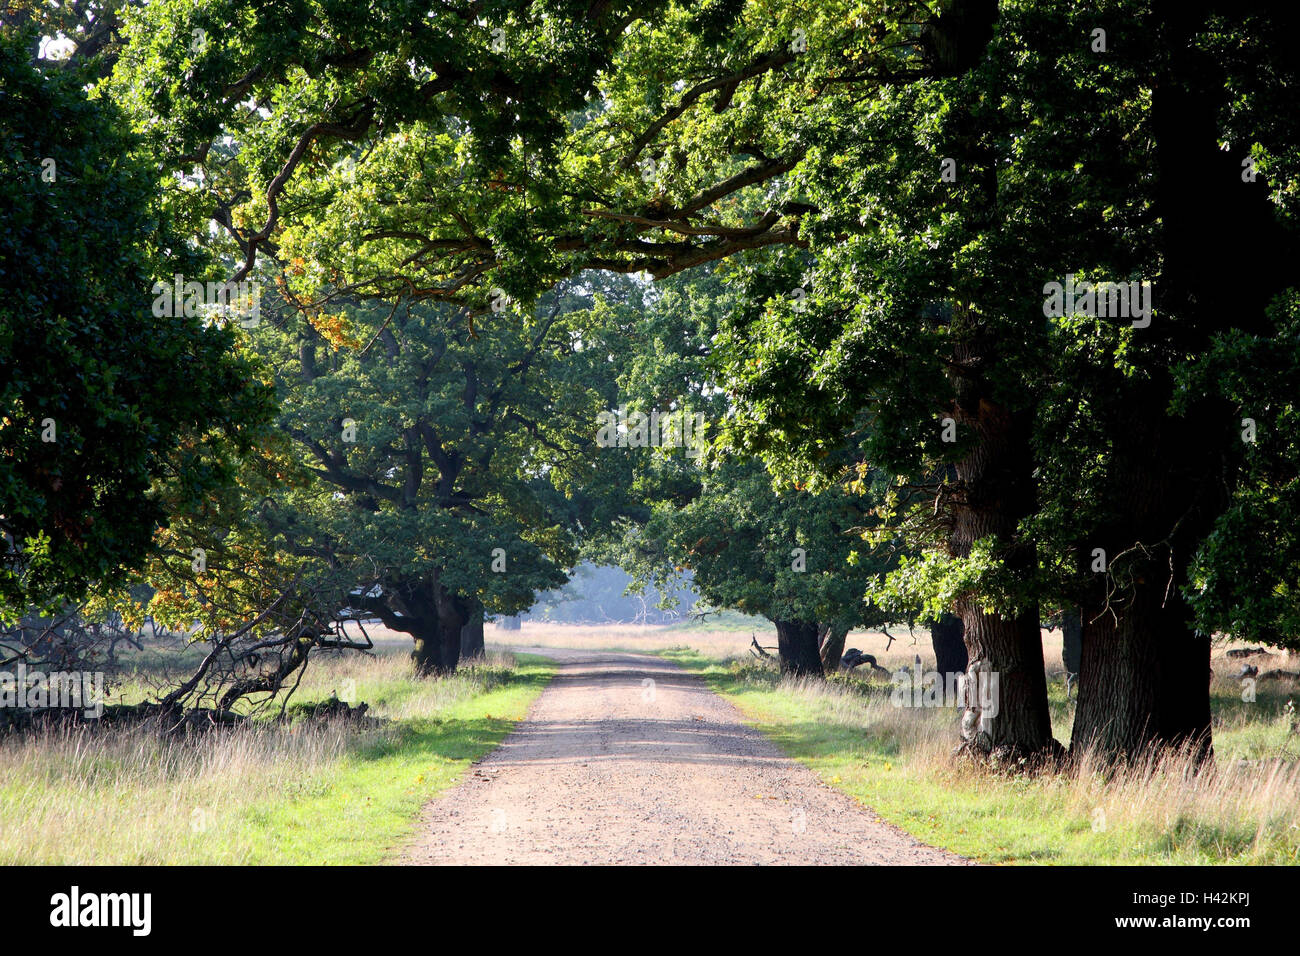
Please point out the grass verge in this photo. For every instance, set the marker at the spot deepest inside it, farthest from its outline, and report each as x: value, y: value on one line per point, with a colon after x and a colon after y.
x: 299, y: 792
x: 897, y: 761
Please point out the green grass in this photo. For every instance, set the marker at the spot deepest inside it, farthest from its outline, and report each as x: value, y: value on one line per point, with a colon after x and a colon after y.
x: 280, y: 792
x: 897, y: 761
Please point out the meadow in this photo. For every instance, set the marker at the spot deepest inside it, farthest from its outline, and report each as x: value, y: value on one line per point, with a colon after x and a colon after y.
x: 283, y: 790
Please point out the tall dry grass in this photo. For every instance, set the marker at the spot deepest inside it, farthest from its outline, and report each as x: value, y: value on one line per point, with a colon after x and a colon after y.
x: 1160, y: 804
x: 93, y: 795
x: 129, y: 794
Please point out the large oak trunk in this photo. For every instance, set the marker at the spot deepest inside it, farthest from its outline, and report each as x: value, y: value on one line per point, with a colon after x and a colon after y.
x: 424, y: 609
x: 437, y: 646
x: 995, y: 490
x: 1010, y: 648
x: 1117, y: 681
x: 452, y: 613
x: 796, y: 643
x: 1143, y: 669
x: 431, y: 614
x: 1144, y: 680
x: 947, y: 636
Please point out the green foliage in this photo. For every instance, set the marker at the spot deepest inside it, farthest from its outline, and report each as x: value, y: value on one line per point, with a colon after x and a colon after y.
x: 433, y: 445
x: 928, y: 585
x: 416, y: 181
x: 111, y: 418
x: 1244, y: 580
x: 788, y: 556
x: 427, y: 144
x: 907, y: 271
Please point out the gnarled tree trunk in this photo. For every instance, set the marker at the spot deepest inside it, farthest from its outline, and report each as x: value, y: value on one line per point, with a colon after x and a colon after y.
x: 1144, y: 679
x: 427, y: 611
x: 796, y: 643
x: 452, y: 613
x: 832, y: 637
x: 1143, y: 670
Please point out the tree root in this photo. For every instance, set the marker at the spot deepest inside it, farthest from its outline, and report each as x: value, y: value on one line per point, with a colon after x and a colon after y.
x: 1013, y: 760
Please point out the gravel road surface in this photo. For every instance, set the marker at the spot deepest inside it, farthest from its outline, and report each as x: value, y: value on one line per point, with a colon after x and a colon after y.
x: 630, y: 759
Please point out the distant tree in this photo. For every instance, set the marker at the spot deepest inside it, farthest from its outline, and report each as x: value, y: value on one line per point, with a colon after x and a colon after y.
x: 596, y: 595
x: 450, y: 462
x: 795, y: 558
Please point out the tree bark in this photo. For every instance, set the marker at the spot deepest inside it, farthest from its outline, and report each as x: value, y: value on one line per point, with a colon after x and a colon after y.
x: 452, y: 613
x: 947, y: 638
x: 426, y: 647
x: 796, y: 643
x: 1144, y: 680
x: 832, y: 638
x: 995, y: 491
x: 471, y: 635
x: 1143, y: 671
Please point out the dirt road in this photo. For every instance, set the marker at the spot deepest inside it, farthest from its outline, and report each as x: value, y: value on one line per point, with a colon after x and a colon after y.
x: 630, y: 759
